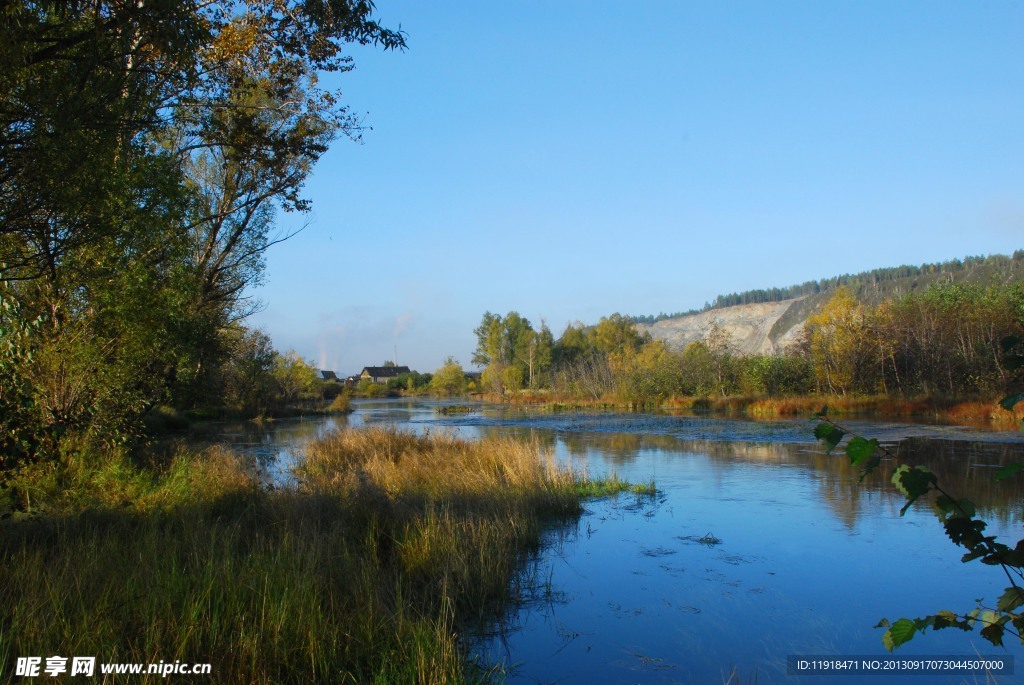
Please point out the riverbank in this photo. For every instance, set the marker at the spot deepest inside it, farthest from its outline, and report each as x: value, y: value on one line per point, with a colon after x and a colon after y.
x: 973, y: 412
x: 370, y: 571
x: 164, y: 420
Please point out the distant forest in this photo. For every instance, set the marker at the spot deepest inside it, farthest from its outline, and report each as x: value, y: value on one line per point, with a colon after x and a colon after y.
x: 875, y: 285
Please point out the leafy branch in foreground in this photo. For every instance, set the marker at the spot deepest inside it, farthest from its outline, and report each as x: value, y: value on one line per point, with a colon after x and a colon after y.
x: 958, y: 518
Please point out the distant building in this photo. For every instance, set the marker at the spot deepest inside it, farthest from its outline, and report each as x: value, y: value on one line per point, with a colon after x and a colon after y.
x: 326, y: 375
x: 382, y: 374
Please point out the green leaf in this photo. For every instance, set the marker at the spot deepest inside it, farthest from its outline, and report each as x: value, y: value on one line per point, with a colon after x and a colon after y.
x: 900, y: 632
x: 887, y: 640
x: 1011, y: 401
x: 964, y: 531
x: 971, y: 556
x: 994, y: 634
x: 912, y: 482
x: 1014, y: 557
x: 1011, y: 599
x: 884, y: 623
x: 1018, y: 624
x: 1008, y: 471
x: 828, y: 434
x: 989, y: 617
x: 947, y: 619
x: 859, y: 449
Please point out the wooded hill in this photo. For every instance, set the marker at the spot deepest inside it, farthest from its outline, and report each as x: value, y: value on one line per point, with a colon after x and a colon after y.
x: 952, y: 330
x: 872, y: 287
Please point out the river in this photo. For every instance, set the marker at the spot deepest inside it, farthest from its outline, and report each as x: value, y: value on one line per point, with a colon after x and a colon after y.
x: 758, y: 551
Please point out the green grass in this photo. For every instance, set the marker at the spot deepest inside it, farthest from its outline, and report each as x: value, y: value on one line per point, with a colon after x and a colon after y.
x: 647, y: 488
x: 393, y: 548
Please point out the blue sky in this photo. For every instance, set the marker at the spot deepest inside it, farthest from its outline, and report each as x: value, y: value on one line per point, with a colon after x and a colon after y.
x: 569, y: 159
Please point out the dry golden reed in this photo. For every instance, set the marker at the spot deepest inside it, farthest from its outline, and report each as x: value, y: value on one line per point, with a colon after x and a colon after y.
x: 372, y: 570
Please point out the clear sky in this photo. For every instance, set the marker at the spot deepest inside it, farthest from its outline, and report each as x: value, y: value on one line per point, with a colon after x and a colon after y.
x: 568, y: 159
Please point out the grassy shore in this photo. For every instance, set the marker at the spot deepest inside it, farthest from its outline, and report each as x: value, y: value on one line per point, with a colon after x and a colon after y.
x: 392, y: 548
x: 973, y: 411
x: 882, y: 406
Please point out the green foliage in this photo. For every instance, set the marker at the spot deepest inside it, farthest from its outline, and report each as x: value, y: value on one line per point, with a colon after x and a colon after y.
x: 946, y: 341
x: 18, y: 437
x: 913, y: 482
x: 777, y: 376
x: 512, y: 378
x: 516, y: 354
x: 958, y: 518
x: 898, y: 633
x: 646, y: 376
x: 616, y: 334
x: 859, y: 450
x: 145, y: 149
x: 247, y: 374
x: 296, y: 378
x: 829, y: 434
x: 492, y: 378
x: 449, y: 380
x: 410, y: 382
x: 368, y: 388
x: 341, y: 404
x: 575, y: 344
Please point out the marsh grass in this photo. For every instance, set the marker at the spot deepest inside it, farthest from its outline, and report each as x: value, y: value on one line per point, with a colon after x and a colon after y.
x: 978, y: 412
x: 392, y: 547
x: 341, y: 404
x: 935, y: 408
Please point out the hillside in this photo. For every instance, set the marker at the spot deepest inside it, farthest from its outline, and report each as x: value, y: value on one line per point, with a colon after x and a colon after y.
x: 769, y: 321
x: 765, y: 328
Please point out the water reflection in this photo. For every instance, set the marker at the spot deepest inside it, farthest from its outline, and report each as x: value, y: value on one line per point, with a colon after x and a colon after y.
x: 963, y: 468
x: 758, y: 546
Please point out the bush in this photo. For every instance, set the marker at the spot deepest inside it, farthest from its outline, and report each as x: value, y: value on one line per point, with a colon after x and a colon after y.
x: 340, y: 404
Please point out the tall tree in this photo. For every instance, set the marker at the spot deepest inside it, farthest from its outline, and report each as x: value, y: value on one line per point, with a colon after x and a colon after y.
x: 145, y: 148
x: 841, y: 346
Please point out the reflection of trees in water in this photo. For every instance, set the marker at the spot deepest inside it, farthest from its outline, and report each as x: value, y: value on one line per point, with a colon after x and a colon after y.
x: 964, y: 469
x: 617, y: 448
x: 967, y: 469
x: 542, y: 437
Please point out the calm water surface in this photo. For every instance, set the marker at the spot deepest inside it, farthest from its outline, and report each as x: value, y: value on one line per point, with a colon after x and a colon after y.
x: 757, y: 547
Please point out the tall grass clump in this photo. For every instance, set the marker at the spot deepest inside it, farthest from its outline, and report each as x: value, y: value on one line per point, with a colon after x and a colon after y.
x: 391, y: 548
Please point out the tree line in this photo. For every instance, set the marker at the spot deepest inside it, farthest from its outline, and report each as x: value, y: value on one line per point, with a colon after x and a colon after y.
x: 949, y: 340
x: 146, y: 149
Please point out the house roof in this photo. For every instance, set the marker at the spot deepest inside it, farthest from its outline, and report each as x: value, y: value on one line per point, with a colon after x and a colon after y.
x: 385, y: 371
x: 326, y: 375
